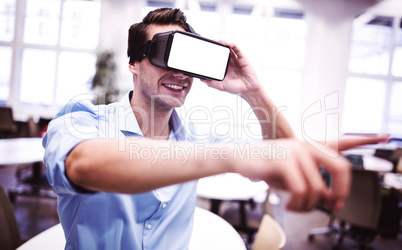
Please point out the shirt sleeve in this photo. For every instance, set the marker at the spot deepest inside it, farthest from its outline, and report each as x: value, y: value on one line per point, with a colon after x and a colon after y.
x: 75, y: 123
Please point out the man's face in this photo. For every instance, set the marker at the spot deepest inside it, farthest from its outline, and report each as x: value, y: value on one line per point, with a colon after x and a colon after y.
x: 163, y: 88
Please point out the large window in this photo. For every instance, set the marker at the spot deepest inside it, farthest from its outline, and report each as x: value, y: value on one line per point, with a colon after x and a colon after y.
x: 7, y: 21
x: 373, y: 101
x: 47, y: 51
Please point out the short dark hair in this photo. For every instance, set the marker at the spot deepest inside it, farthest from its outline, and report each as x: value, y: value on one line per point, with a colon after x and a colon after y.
x: 137, y: 34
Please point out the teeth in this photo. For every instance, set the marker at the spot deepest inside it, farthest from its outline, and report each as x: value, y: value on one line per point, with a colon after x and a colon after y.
x: 174, y: 86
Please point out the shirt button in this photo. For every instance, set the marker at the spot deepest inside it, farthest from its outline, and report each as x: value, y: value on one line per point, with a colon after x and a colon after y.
x: 149, y: 226
x: 164, y: 205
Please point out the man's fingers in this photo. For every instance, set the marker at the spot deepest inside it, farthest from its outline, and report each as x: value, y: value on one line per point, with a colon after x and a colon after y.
x: 315, y: 182
x: 297, y: 188
x: 305, y: 183
x: 341, y: 175
x: 300, y: 176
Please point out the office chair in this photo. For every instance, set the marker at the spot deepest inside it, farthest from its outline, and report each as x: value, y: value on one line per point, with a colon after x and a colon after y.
x: 359, y: 218
x: 270, y: 235
x: 248, y: 216
x: 31, y: 181
x: 244, y: 220
x: 8, y: 126
x: 10, y: 237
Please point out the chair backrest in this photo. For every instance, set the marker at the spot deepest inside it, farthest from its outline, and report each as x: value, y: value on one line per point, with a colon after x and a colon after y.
x: 270, y: 235
x: 363, y: 206
x: 7, y: 123
x: 10, y: 237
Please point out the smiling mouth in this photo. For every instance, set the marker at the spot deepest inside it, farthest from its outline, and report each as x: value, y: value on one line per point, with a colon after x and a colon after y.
x: 175, y: 87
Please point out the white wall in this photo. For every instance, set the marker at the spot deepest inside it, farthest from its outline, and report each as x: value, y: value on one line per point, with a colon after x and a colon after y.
x: 116, y: 18
x: 325, y: 73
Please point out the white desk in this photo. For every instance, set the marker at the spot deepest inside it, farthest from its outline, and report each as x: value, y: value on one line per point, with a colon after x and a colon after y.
x: 393, y: 180
x: 230, y: 186
x: 21, y: 151
x: 370, y: 162
x: 210, y: 232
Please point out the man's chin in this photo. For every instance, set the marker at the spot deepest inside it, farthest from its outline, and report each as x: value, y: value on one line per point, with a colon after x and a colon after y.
x: 167, y: 102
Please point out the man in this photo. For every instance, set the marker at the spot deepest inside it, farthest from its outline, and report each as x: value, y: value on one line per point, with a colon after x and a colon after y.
x: 112, y: 194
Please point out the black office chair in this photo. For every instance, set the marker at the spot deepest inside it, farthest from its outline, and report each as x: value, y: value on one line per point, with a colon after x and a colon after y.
x: 10, y: 237
x: 245, y: 218
x: 31, y: 181
x: 359, y: 218
x: 8, y: 127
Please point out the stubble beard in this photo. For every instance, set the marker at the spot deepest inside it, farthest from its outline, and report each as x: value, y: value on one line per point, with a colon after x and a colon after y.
x: 160, y: 103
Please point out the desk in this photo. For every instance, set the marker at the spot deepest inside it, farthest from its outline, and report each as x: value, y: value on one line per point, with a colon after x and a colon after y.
x: 21, y: 151
x: 232, y: 187
x: 370, y: 162
x: 392, y: 180
x: 229, y: 187
x: 210, y: 232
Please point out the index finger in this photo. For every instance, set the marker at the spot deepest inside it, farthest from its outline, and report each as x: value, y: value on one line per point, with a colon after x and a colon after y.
x: 348, y: 143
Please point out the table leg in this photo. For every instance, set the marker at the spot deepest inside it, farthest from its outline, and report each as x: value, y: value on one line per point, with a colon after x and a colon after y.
x: 215, y: 205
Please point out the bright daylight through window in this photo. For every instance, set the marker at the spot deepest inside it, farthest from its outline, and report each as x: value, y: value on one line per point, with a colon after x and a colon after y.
x: 49, y: 56
x: 373, y: 90
x: 48, y: 51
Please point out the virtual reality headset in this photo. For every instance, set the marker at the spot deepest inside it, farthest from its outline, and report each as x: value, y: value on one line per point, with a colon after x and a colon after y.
x: 189, y: 53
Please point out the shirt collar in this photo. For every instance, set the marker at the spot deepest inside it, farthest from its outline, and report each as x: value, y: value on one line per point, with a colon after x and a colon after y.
x: 177, y: 127
x: 128, y: 124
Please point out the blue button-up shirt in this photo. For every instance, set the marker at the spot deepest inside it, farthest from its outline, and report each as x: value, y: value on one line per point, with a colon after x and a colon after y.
x: 159, y: 219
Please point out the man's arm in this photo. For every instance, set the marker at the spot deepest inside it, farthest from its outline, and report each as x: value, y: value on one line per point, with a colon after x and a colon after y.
x: 135, y: 165
x: 273, y: 123
x: 99, y: 165
x: 241, y: 79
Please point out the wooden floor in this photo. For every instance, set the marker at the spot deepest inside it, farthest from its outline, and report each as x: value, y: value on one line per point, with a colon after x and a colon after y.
x: 298, y: 225
x: 35, y: 215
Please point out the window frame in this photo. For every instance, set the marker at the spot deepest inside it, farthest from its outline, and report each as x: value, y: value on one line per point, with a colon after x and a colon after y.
x: 21, y: 110
x: 389, y: 79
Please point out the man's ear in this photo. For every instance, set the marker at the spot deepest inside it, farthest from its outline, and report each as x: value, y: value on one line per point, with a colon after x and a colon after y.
x: 133, y: 68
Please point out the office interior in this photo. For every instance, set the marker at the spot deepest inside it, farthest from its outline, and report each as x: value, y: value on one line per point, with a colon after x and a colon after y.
x: 333, y: 68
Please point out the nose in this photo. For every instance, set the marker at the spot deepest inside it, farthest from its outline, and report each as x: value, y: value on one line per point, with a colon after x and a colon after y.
x: 179, y: 75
